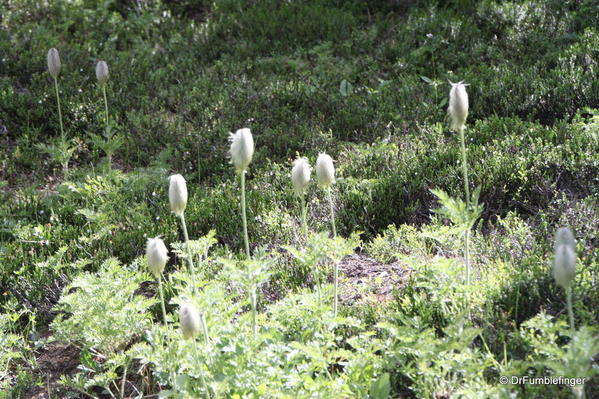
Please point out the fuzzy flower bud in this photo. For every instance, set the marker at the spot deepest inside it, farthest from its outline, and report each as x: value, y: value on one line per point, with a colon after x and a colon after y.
x: 564, y: 265
x: 177, y: 194
x: 190, y: 320
x: 325, y: 170
x: 53, y: 62
x: 564, y: 236
x: 300, y: 175
x: 242, y: 149
x: 458, y: 105
x: 156, y: 255
x: 102, y: 72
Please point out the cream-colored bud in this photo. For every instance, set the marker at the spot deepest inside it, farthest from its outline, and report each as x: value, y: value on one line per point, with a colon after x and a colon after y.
x: 156, y: 255
x: 300, y: 175
x: 325, y: 170
x: 458, y: 105
x: 242, y: 149
x: 177, y: 194
x: 189, y: 319
x: 564, y: 236
x: 564, y: 265
x: 102, y: 72
x: 53, y: 62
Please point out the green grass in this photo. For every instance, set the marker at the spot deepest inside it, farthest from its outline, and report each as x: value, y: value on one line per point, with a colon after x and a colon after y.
x: 367, y: 83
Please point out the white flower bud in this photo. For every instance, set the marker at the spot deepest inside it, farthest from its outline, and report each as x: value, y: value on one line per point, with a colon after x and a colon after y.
x: 564, y: 236
x: 300, y: 175
x: 242, y: 149
x: 177, y: 194
x: 102, y: 72
x: 156, y: 255
x: 564, y: 265
x: 458, y: 105
x: 53, y: 62
x: 325, y: 170
x: 190, y: 320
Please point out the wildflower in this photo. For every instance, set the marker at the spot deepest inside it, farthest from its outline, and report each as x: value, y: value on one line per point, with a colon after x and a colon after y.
x: 458, y: 105
x: 102, y: 72
x: 53, y: 62
x: 564, y: 264
x: 190, y: 320
x: 177, y: 194
x: 300, y: 175
x: 242, y: 149
x: 325, y: 171
x: 157, y: 257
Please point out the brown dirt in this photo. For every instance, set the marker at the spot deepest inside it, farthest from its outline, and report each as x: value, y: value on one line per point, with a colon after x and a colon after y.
x: 364, y: 277
x: 55, y: 359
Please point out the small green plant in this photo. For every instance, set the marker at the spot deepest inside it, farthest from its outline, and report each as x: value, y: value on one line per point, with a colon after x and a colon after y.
x: 61, y: 152
x: 109, y: 142
x: 242, y: 150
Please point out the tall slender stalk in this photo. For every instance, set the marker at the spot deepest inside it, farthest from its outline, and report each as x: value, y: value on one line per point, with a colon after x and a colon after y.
x: 330, y: 195
x: 570, y: 310
x: 109, y: 154
x: 244, y: 217
x: 204, y: 384
x: 253, y: 300
x: 191, y: 266
x: 161, y: 298
x: 336, y: 303
x: 65, y: 164
x: 304, y: 217
x: 467, y: 192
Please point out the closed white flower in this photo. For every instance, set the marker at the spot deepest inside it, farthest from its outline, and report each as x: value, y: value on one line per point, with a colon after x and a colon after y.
x: 458, y: 105
x: 53, y: 62
x: 156, y: 255
x: 564, y: 265
x: 242, y: 149
x: 102, y: 72
x: 564, y: 236
x: 177, y: 194
x: 300, y: 175
x: 325, y: 170
x: 190, y: 320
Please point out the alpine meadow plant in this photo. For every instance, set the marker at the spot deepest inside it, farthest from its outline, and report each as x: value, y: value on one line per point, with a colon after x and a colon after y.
x: 325, y: 175
x: 177, y: 195
x: 62, y: 152
x: 111, y: 141
x: 564, y: 265
x: 190, y: 321
x: 157, y: 256
x: 300, y: 177
x: 241, y: 151
x: 458, y: 112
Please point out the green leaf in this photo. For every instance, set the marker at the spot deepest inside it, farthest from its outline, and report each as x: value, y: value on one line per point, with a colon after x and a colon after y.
x: 346, y: 88
x: 381, y: 388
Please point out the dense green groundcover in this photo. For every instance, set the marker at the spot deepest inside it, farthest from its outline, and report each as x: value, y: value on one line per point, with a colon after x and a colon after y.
x: 367, y: 83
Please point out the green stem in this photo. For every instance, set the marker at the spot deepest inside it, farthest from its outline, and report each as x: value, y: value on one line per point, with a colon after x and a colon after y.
x: 161, y: 298
x: 243, y: 216
x: 304, y: 217
x: 570, y: 310
x: 253, y: 299
x: 108, y: 155
x: 330, y: 195
x: 467, y: 192
x: 467, y: 255
x: 191, y: 267
x: 336, y: 303
x: 62, y: 136
x: 204, y: 328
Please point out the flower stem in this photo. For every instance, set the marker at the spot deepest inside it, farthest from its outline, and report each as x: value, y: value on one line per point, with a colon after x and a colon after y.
x: 63, y: 146
x: 195, y: 353
x: 109, y: 154
x: 467, y: 192
x: 161, y: 298
x: 253, y: 299
x: 330, y: 195
x: 204, y: 327
x: 570, y: 310
x: 336, y: 303
x: 191, y: 267
x: 304, y: 217
x: 243, y: 216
